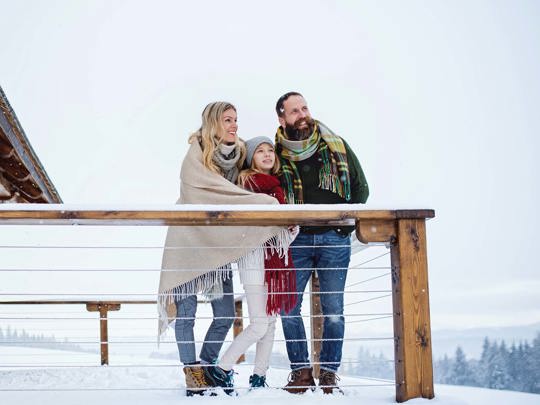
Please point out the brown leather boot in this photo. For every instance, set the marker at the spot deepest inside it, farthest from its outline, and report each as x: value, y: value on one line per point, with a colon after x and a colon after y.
x: 300, y: 380
x: 195, y: 382
x: 327, y: 381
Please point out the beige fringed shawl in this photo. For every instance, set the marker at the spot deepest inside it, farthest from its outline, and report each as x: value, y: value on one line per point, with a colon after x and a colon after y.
x: 193, y: 255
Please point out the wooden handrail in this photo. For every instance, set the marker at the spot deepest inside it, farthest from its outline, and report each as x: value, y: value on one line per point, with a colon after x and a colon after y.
x: 43, y: 214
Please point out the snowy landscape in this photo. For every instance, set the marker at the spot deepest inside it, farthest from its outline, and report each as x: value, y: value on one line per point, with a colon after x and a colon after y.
x: 438, y: 99
x: 161, y: 382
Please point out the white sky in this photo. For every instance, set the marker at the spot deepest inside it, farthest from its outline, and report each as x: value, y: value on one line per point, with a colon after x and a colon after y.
x: 438, y: 99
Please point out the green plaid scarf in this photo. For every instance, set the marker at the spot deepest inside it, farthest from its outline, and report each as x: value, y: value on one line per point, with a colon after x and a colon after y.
x: 334, y: 173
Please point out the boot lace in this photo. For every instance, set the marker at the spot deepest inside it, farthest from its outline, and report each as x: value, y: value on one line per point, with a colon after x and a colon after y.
x: 257, y: 381
x: 328, y: 378
x: 293, y: 375
x: 198, y: 376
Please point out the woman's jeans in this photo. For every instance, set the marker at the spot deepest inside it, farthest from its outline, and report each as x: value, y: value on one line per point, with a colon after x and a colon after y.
x: 223, y: 312
x: 329, y: 253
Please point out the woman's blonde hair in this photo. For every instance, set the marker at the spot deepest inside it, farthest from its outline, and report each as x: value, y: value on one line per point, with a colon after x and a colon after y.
x: 206, y: 135
x: 244, y: 178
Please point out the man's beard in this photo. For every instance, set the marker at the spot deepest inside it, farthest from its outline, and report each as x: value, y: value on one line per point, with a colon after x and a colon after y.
x: 295, y: 133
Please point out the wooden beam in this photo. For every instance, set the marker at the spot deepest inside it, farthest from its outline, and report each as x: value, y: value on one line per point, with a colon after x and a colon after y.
x: 317, y: 324
x: 410, y: 294
x: 375, y: 230
x: 198, y: 217
x: 103, y: 309
x: 238, y: 325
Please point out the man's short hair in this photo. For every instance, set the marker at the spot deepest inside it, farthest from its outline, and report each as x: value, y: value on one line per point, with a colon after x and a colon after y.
x: 279, y: 105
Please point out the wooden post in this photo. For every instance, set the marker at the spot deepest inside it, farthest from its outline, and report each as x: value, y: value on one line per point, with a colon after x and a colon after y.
x: 317, y: 323
x: 103, y: 308
x: 238, y: 325
x: 410, y: 295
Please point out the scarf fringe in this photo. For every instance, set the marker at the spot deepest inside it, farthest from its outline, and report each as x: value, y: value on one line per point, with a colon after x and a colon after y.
x: 210, y: 284
x: 279, y: 275
x: 334, y: 172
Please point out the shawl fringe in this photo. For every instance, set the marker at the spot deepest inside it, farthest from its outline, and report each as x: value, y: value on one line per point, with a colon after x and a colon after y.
x: 210, y: 284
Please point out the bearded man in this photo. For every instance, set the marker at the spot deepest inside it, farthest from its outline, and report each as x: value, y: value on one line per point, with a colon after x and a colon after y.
x: 318, y: 167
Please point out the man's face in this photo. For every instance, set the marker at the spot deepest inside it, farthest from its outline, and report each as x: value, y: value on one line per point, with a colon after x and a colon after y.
x: 296, y: 119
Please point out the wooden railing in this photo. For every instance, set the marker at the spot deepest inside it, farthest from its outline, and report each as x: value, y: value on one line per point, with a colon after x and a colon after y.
x: 403, y: 230
x: 104, y: 307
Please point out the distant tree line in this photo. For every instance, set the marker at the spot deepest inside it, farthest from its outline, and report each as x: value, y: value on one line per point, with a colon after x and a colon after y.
x: 516, y: 368
x: 15, y: 337
x: 367, y: 364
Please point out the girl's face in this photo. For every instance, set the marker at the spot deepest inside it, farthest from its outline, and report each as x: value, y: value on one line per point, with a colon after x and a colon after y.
x: 227, y: 132
x: 264, y: 158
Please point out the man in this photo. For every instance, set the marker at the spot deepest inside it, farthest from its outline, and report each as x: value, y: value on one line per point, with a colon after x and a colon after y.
x: 318, y: 167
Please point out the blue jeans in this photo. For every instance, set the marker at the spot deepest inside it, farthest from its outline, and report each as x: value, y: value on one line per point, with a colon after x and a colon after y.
x: 183, y: 328
x: 330, y: 251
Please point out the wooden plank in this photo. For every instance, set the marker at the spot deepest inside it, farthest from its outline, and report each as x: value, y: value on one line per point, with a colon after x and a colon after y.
x: 375, y: 230
x: 280, y: 217
x: 103, y: 335
x: 412, y: 330
x: 96, y: 307
x: 414, y: 214
x: 317, y: 324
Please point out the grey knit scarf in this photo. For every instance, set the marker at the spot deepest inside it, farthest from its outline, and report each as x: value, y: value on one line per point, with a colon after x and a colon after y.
x: 227, y: 160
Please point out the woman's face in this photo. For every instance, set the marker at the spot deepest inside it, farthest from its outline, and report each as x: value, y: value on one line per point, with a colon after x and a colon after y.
x: 227, y: 132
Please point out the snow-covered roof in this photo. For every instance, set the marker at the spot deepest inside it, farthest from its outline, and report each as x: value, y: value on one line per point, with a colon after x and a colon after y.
x: 22, y: 176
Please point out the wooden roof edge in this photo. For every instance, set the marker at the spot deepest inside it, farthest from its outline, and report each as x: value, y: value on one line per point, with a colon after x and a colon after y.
x: 17, y: 137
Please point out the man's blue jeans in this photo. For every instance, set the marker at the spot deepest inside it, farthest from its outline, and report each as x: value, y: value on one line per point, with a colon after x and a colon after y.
x: 329, y: 253
x: 185, y: 314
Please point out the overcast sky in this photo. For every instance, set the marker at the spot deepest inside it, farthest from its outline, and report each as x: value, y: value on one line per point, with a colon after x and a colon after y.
x: 439, y: 99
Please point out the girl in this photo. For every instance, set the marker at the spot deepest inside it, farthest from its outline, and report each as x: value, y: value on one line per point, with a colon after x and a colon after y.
x: 209, y: 171
x: 269, y: 275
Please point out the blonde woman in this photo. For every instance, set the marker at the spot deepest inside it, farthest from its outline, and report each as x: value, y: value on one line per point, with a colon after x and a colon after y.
x: 197, y: 258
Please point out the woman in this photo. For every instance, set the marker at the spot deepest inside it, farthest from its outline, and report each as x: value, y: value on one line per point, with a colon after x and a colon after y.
x: 197, y: 258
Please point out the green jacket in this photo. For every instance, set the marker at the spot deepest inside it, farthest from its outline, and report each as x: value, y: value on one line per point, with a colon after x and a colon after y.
x: 309, y: 172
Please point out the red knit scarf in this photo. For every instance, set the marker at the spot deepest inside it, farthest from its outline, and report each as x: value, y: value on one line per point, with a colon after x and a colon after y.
x: 280, y: 277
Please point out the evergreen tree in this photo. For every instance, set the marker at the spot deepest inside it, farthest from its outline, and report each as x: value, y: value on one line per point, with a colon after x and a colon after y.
x: 497, y: 371
x: 442, y: 370
x: 515, y: 368
x: 460, y: 373
x: 534, y: 363
x: 485, y: 359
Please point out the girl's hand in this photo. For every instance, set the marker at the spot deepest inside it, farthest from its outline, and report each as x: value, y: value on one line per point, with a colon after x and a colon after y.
x: 294, y: 230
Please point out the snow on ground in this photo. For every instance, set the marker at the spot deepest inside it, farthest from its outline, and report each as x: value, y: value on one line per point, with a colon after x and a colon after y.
x: 161, y: 382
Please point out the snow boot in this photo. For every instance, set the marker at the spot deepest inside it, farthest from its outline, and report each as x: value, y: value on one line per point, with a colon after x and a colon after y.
x: 217, y: 377
x: 257, y: 381
x: 327, y: 381
x: 195, y: 381
x: 300, y: 380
